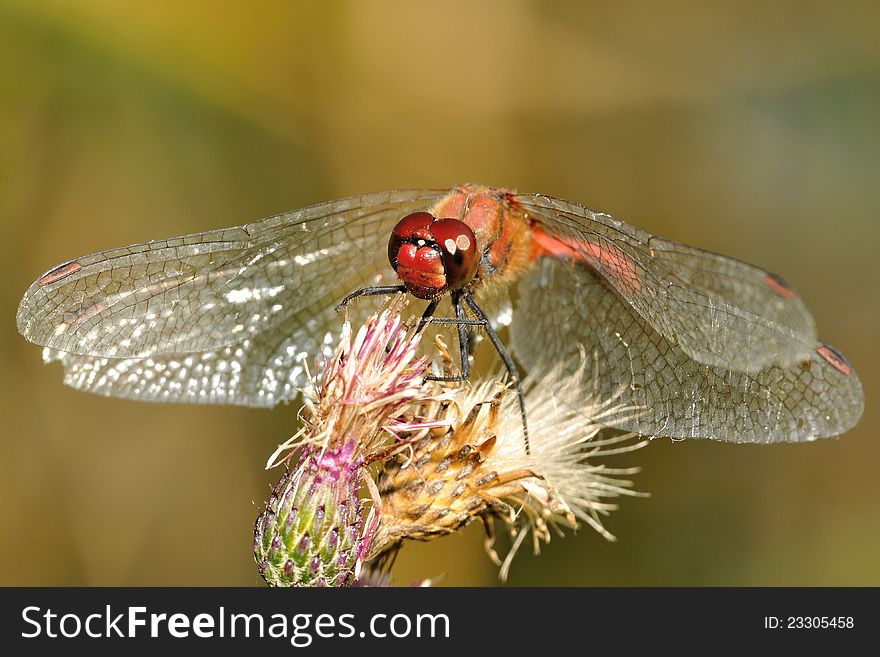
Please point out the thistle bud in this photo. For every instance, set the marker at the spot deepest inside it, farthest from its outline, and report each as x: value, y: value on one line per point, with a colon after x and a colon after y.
x: 312, y: 531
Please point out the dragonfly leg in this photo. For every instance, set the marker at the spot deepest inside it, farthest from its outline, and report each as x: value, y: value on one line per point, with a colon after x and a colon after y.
x: 427, y: 315
x: 462, y: 323
x: 508, y: 362
x: 371, y: 291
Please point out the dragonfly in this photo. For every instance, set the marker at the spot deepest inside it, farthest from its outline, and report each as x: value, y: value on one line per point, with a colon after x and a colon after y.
x: 706, y: 346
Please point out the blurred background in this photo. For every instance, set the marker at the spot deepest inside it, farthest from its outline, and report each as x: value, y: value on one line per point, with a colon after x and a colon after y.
x: 749, y: 128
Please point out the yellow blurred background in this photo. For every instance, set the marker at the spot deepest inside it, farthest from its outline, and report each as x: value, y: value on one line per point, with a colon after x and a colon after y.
x: 748, y: 128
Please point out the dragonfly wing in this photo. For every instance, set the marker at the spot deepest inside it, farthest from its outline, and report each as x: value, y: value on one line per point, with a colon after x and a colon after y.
x: 719, y: 311
x: 563, y: 307
x: 228, y: 312
x: 198, y: 292
x: 260, y: 371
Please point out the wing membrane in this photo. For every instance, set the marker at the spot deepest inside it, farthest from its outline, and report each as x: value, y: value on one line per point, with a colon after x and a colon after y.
x: 221, y: 317
x: 199, y: 292
x: 681, y: 398
x: 740, y: 284
x: 719, y: 311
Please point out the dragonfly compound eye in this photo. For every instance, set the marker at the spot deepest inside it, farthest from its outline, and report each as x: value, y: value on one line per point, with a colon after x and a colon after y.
x: 412, y: 228
x: 458, y: 247
x: 415, y: 256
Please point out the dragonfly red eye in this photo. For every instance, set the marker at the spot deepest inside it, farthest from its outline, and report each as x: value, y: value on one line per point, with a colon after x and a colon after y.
x: 459, y: 249
x: 415, y: 256
x: 413, y: 227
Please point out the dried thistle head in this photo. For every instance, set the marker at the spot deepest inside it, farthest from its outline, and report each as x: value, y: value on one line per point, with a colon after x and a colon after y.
x: 477, y: 467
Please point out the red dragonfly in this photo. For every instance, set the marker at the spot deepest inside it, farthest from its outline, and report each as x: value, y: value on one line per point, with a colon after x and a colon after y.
x: 707, y: 346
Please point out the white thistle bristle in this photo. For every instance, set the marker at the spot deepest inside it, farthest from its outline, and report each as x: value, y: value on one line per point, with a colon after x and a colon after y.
x: 565, y: 436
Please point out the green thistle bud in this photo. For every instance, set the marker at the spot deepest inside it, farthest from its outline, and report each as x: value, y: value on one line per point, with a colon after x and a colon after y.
x: 312, y: 531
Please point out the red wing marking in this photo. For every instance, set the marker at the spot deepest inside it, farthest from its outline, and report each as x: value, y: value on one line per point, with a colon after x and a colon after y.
x: 607, y: 259
x: 780, y: 286
x: 59, y: 272
x: 83, y: 315
x: 836, y: 359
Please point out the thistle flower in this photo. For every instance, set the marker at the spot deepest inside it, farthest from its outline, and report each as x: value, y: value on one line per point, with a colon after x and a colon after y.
x: 478, y: 466
x: 386, y: 456
x: 367, y: 389
x: 312, y: 531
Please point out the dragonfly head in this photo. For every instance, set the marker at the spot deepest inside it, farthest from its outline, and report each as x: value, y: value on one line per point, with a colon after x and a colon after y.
x: 433, y: 256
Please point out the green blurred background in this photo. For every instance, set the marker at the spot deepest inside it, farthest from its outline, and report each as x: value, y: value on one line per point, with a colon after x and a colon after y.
x: 749, y: 128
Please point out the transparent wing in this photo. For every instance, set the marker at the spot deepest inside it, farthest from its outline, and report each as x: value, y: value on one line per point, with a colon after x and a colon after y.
x: 719, y: 311
x: 260, y: 371
x: 226, y: 316
x: 740, y: 284
x: 561, y: 304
